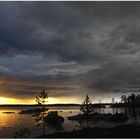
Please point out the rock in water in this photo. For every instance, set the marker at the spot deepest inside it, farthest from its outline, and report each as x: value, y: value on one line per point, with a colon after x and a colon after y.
x: 118, y: 117
x: 54, y: 118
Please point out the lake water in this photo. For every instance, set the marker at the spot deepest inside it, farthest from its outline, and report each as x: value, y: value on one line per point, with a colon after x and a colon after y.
x: 9, y: 123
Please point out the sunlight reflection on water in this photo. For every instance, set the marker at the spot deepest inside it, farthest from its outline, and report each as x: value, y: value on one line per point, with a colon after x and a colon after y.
x: 11, y: 122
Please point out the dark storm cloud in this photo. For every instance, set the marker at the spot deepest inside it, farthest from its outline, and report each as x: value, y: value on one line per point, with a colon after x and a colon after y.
x: 49, y: 29
x: 113, y: 76
x: 61, y: 28
x: 28, y: 90
x: 25, y: 88
x: 95, y: 41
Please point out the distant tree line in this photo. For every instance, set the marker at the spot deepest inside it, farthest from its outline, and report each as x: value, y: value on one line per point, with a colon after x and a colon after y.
x: 131, y: 100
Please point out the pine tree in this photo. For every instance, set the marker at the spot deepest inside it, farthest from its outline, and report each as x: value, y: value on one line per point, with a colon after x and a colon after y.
x: 87, y: 107
x: 41, y: 99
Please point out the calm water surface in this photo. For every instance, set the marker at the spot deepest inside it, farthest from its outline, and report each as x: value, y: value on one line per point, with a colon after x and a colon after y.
x: 9, y: 123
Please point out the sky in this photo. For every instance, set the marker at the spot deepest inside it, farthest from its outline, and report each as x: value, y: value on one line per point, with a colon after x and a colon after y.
x: 70, y: 48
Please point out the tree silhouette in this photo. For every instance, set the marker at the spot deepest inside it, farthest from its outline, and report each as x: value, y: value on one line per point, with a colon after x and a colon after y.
x: 86, y: 106
x: 133, y: 98
x: 124, y: 99
x: 138, y: 99
x: 41, y: 99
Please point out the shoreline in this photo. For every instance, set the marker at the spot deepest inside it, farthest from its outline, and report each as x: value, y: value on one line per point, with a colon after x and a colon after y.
x: 121, y: 131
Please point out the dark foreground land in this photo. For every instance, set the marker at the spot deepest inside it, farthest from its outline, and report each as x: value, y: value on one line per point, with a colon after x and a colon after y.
x: 122, y: 131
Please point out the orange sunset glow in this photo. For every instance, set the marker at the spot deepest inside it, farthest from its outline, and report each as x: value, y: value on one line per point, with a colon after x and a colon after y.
x: 51, y: 100
x: 5, y: 100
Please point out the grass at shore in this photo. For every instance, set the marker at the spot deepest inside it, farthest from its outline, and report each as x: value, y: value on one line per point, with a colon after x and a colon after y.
x: 122, y: 131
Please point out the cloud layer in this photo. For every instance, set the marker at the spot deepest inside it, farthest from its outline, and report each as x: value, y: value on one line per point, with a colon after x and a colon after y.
x: 93, y: 42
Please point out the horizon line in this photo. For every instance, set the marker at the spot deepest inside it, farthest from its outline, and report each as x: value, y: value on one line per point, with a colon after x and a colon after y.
x: 49, y: 104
